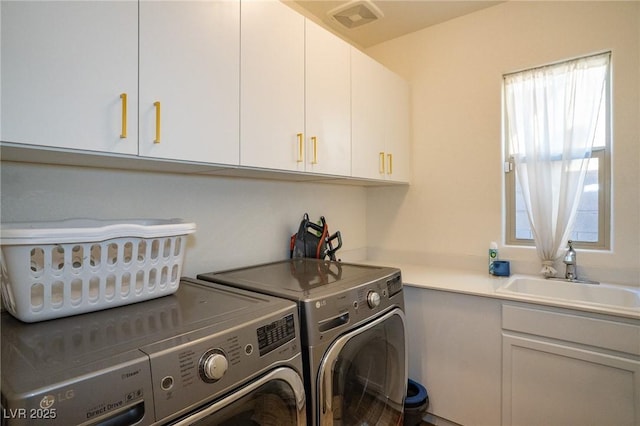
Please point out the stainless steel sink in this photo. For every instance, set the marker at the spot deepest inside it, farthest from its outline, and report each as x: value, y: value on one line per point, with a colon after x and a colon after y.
x: 616, y: 296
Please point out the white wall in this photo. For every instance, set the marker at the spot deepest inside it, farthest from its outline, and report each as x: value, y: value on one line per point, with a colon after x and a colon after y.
x: 239, y: 221
x: 453, y: 208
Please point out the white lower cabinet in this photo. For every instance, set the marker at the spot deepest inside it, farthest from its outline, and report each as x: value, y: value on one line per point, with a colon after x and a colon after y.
x: 454, y: 351
x: 486, y: 361
x: 564, y: 368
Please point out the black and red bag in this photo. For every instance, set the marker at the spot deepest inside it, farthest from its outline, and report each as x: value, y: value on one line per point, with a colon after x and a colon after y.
x: 313, y: 240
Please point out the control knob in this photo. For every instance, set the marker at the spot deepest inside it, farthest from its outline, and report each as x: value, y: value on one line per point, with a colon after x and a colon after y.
x: 373, y: 299
x: 213, y: 366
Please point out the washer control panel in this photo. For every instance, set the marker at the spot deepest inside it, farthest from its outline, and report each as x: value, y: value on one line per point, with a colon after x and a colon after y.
x: 206, y: 363
x: 328, y: 316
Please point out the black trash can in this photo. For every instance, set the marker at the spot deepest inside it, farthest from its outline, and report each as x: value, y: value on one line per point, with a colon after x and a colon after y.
x: 415, y: 404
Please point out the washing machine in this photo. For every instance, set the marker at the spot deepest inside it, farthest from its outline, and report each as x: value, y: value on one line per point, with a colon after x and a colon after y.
x: 206, y: 355
x: 353, y: 334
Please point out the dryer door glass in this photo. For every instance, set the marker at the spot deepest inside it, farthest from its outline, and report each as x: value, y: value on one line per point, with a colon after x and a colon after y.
x: 363, y: 376
x: 275, y: 399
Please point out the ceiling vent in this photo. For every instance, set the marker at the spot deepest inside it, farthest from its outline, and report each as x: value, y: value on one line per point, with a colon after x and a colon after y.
x: 356, y: 13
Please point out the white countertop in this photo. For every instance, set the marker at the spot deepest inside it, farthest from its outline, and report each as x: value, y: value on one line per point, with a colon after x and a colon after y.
x: 482, y: 284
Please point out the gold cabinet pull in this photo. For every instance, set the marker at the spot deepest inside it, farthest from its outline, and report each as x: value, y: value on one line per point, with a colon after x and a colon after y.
x: 300, y: 147
x: 123, y: 133
x: 390, y: 161
x: 314, y: 141
x: 157, y: 106
x: 381, y: 167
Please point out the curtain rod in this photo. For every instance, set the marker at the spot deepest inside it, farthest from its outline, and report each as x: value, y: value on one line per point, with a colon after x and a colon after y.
x: 606, y: 52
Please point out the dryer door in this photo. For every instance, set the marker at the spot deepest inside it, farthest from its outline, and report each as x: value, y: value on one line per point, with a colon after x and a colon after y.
x: 363, y: 376
x: 274, y: 399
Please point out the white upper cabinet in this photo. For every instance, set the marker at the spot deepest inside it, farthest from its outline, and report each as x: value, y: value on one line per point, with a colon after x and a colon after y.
x: 217, y: 82
x: 295, y: 93
x: 272, y: 86
x: 397, y: 134
x: 380, y: 121
x: 65, y: 66
x: 189, y: 80
x: 367, y: 119
x: 327, y: 102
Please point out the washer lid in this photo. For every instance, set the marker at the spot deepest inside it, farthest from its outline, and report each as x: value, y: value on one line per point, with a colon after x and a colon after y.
x: 303, y: 276
x: 66, y: 348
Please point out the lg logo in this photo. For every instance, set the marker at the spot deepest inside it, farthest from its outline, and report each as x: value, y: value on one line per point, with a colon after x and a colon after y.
x: 48, y: 400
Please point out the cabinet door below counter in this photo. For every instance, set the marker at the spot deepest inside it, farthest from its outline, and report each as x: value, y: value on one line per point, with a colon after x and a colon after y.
x: 563, y: 367
x: 454, y: 351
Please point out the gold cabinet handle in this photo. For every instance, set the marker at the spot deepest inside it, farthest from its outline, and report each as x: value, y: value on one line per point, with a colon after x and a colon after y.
x: 381, y: 167
x: 157, y: 106
x: 390, y: 161
x: 314, y: 141
x: 123, y: 133
x: 300, y: 147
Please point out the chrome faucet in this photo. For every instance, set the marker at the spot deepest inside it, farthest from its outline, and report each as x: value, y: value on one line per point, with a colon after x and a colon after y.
x: 571, y: 274
x: 571, y: 262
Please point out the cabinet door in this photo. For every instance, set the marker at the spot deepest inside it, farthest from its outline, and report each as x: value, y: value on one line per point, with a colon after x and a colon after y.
x: 397, y: 136
x: 552, y: 384
x: 367, y: 117
x: 64, y: 67
x: 454, y: 351
x: 327, y: 102
x: 380, y: 121
x: 271, y: 86
x: 189, y: 80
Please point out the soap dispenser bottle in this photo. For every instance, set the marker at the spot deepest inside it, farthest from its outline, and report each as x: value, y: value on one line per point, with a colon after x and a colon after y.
x: 493, y: 255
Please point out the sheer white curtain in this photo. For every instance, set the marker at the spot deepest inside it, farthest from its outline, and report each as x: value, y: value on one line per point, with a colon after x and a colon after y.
x: 551, y: 118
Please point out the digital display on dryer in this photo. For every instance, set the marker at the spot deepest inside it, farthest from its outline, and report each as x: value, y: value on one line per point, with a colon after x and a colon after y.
x: 394, y: 285
x: 276, y: 334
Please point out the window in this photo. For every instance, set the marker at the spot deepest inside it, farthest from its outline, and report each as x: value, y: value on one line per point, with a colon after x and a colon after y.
x: 591, y: 224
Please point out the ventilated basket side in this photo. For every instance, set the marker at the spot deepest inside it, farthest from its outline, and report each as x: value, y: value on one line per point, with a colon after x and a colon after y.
x: 46, y: 281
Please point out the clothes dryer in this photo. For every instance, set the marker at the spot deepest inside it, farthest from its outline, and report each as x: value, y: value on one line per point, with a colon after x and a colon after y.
x: 353, y: 334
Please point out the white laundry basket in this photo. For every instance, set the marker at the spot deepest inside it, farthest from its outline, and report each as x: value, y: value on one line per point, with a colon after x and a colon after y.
x: 57, y: 269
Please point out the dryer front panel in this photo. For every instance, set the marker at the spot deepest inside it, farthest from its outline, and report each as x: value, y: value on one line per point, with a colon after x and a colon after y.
x: 363, y: 376
x: 276, y: 398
